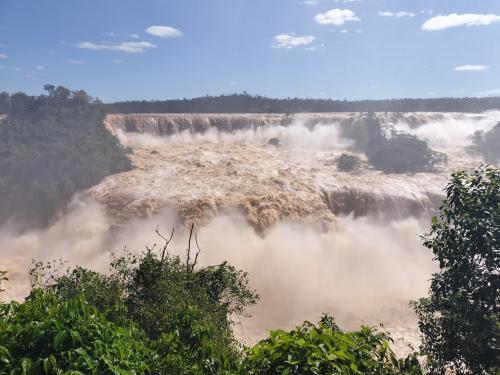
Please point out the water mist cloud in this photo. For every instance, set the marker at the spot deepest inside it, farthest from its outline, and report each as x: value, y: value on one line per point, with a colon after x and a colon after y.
x: 295, y: 136
x: 454, y: 131
x: 363, y: 272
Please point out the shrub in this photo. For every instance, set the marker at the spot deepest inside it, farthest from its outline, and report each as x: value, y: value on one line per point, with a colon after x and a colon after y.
x: 402, y: 153
x: 488, y: 144
x: 45, y: 335
x: 185, y: 312
x: 325, y: 349
x: 348, y: 162
x: 460, y: 320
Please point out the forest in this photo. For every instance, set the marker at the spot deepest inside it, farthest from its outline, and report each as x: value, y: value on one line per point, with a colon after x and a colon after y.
x: 245, y: 103
x: 52, y: 146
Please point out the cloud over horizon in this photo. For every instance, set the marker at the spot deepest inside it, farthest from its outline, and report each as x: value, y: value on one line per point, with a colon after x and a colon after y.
x: 456, y: 20
x: 471, y: 68
x: 70, y: 61
x: 336, y: 17
x: 288, y: 41
x: 127, y: 47
x: 164, y: 31
x: 396, y: 14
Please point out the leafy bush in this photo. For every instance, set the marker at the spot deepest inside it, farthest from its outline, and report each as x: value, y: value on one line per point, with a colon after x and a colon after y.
x: 47, y: 336
x: 185, y: 312
x: 488, y: 144
x: 52, y: 146
x: 348, y: 162
x: 460, y: 320
x: 402, y: 153
x: 325, y: 349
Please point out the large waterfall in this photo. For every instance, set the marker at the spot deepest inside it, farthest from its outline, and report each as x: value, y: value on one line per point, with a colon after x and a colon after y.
x: 268, y: 196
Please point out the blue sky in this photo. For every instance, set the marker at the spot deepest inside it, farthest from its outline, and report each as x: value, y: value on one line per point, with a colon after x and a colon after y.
x: 343, y: 49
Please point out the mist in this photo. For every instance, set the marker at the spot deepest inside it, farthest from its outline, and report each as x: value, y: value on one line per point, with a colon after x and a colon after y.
x: 452, y: 131
x: 321, y: 137
x: 363, y: 272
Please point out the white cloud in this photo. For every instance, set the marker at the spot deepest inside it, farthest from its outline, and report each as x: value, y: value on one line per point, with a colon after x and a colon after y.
x: 18, y: 68
x: 316, y: 47
x: 287, y: 41
x: 31, y: 77
x: 164, y: 31
x: 39, y: 67
x: 3, y: 56
x: 127, y: 47
x: 492, y: 92
x: 455, y: 20
x: 116, y: 61
x: 344, y: 31
x: 396, y: 14
x: 316, y: 2
x: 135, y: 36
x: 471, y: 68
x: 336, y: 17
x: 310, y: 2
x: 75, y: 61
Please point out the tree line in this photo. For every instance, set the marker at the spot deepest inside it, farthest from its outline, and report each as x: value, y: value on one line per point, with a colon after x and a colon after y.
x: 245, y: 103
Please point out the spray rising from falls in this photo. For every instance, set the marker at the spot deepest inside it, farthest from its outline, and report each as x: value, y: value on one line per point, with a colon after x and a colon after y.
x: 298, y: 271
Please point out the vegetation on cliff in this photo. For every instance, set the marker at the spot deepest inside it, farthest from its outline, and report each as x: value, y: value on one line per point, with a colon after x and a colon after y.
x: 52, y: 146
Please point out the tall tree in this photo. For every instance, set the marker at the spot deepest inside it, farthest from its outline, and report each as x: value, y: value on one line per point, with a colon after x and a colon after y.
x: 460, y: 320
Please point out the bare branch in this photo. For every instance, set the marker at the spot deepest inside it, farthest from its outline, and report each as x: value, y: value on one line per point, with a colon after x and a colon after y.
x: 198, y: 252
x: 188, y: 251
x: 167, y: 241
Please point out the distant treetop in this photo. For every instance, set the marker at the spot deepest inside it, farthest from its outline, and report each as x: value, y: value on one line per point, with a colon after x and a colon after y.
x: 245, y: 103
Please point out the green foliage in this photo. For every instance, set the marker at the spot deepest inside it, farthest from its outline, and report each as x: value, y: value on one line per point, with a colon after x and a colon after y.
x: 402, y: 153
x: 488, y: 144
x: 47, y: 336
x: 325, y: 349
x: 185, y: 312
x: 52, y: 146
x: 348, y: 163
x: 245, y: 103
x: 460, y: 320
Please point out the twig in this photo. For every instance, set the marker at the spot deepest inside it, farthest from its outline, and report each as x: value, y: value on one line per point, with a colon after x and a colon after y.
x: 166, y: 242
x: 198, y: 253
x: 188, y: 251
